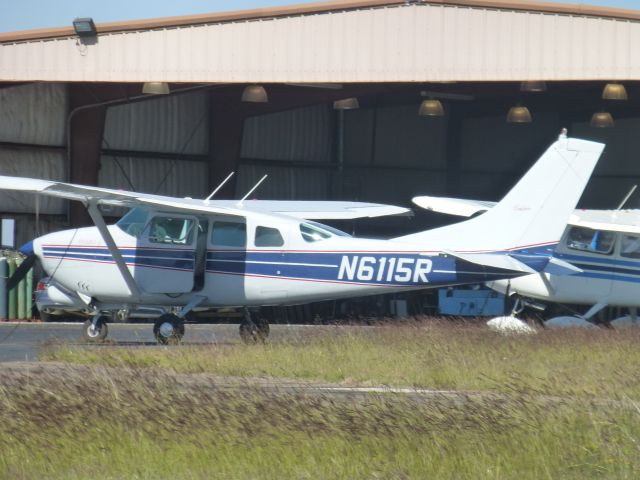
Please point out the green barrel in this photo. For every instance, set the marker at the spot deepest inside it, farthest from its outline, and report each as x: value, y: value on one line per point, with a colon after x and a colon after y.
x: 20, y: 294
x: 12, y: 293
x: 28, y: 295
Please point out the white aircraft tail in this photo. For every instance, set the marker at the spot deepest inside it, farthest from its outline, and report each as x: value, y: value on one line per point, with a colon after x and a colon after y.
x: 533, y: 214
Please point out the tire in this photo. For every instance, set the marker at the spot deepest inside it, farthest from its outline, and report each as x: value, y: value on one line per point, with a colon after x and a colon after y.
x: 252, y: 333
x: 45, y: 317
x: 168, y: 329
x: 97, y: 334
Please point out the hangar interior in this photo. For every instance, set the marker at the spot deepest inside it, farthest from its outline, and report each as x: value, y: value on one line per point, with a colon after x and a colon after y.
x: 90, y: 123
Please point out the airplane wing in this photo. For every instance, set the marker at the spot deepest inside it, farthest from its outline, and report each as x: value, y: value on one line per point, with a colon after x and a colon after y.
x: 453, y: 206
x: 311, y: 210
x: 320, y: 209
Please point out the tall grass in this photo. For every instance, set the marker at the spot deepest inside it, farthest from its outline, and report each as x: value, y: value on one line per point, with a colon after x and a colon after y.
x: 573, y: 362
x: 75, y: 422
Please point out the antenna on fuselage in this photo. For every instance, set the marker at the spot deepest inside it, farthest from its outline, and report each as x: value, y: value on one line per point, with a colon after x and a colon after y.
x: 239, y: 204
x: 633, y: 189
x: 206, y: 200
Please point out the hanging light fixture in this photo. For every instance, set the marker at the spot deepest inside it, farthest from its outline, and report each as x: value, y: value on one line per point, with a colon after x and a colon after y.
x: 533, y: 86
x: 255, y: 94
x: 614, y: 91
x: 518, y: 114
x: 346, y: 104
x: 431, y: 107
x: 155, y: 88
x: 602, y: 119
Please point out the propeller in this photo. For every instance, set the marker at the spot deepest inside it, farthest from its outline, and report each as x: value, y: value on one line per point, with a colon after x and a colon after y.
x: 25, y: 266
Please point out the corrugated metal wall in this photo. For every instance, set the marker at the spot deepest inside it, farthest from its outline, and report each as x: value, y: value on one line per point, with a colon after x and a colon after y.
x: 34, y: 114
x: 400, y: 43
x: 167, y: 124
x: 177, y: 178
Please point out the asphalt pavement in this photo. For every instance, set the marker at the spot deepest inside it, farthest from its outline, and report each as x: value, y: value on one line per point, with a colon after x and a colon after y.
x: 24, y: 341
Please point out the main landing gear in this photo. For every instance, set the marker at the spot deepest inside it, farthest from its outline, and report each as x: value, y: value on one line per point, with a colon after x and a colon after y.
x: 253, y: 328
x: 168, y: 329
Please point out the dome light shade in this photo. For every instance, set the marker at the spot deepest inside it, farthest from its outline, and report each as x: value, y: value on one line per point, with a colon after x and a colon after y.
x: 519, y: 114
x: 533, y: 86
x: 614, y: 91
x: 255, y: 94
x: 602, y: 120
x: 431, y: 107
x: 346, y: 104
x: 155, y: 88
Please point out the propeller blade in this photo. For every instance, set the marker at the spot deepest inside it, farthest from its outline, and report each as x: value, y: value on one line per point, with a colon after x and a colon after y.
x: 21, y: 271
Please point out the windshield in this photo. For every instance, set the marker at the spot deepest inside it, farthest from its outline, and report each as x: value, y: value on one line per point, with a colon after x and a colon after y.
x: 314, y: 232
x: 134, y: 222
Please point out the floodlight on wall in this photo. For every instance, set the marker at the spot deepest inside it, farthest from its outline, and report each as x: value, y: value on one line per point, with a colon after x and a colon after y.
x: 255, y: 94
x: 346, y: 104
x: 601, y: 120
x: 519, y: 114
x: 614, y: 91
x: 155, y: 88
x: 84, y: 27
x: 533, y: 86
x: 431, y: 107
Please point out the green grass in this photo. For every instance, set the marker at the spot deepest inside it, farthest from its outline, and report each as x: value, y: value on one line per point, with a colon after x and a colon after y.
x: 560, y: 404
x: 104, y: 423
x: 571, y: 362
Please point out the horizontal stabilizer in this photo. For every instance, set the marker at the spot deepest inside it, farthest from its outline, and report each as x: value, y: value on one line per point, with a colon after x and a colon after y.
x: 494, y: 260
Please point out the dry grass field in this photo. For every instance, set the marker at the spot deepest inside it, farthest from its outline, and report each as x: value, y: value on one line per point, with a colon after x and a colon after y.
x: 559, y: 404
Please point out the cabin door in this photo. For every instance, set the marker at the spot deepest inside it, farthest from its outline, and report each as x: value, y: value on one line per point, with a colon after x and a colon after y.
x: 165, y: 257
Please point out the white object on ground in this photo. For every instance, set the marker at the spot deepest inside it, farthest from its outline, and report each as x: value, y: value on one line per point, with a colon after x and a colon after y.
x: 509, y: 324
x: 626, y: 321
x: 568, y: 322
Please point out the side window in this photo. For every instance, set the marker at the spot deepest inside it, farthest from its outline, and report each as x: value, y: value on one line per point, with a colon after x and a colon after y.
x: 229, y: 234
x: 630, y: 246
x: 596, y: 241
x: 169, y: 230
x: 268, y: 237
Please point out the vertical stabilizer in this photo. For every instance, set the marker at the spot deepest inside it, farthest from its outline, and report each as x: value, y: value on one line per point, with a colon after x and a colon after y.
x: 536, y: 210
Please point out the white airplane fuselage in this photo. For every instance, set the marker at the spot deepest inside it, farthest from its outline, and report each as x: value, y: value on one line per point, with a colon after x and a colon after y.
x: 270, y: 265
x: 610, y: 276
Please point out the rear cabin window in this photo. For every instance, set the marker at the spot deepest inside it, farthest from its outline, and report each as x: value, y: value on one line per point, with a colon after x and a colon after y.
x: 268, y: 237
x: 630, y: 246
x: 171, y: 230
x: 229, y: 234
x: 588, y: 240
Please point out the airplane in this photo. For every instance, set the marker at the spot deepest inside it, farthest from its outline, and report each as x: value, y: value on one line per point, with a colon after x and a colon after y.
x: 187, y: 253
x: 603, y: 246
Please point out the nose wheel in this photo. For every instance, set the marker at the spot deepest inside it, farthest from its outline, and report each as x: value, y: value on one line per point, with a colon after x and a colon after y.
x: 95, y: 331
x: 168, y: 329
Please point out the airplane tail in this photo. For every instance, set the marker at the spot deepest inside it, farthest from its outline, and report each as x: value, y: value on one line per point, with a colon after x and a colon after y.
x: 531, y: 218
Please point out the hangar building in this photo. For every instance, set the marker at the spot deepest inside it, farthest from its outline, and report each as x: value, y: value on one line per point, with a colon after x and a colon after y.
x: 72, y: 106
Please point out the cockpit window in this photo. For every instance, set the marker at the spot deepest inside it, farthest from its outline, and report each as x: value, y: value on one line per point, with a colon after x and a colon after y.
x: 312, y: 233
x: 133, y: 222
x: 327, y: 228
x: 586, y: 239
x: 630, y: 246
x: 175, y: 231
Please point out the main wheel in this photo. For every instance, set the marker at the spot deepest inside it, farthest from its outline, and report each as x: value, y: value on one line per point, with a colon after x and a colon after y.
x: 95, y: 333
x: 251, y: 332
x: 168, y: 328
